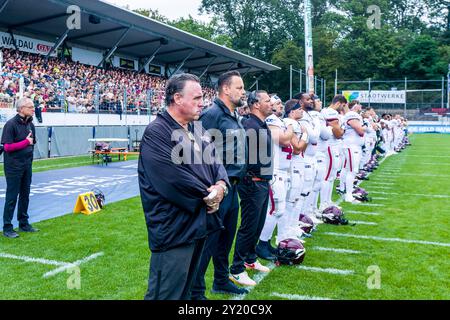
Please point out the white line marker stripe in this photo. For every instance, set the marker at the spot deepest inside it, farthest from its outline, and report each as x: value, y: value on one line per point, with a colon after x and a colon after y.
x: 387, y: 239
x: 359, y: 212
x: 296, y: 297
x: 414, y: 194
x: 326, y: 270
x: 34, y: 260
x: 380, y: 187
x: 379, y: 198
x: 73, y: 264
x: 370, y: 204
x: 382, y: 183
x: 336, y: 250
x: 381, y: 175
x: 364, y: 222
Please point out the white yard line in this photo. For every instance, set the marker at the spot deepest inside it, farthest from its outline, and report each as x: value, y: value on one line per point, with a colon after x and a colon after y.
x: 421, y: 156
x: 380, y: 187
x: 73, y: 264
x: 34, y: 260
x: 440, y: 196
x: 382, y: 183
x: 326, y: 270
x: 336, y: 250
x: 364, y: 223
x: 436, y: 164
x: 296, y: 297
x: 379, y: 198
x: 365, y: 204
x: 365, y: 213
x: 440, y: 244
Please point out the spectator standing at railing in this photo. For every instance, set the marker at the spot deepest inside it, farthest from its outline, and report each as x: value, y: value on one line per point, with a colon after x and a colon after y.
x: 18, y: 139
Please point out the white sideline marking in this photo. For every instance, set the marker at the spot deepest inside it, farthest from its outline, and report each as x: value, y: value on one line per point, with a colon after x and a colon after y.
x: 412, y: 174
x: 441, y: 244
x: 336, y: 250
x: 296, y: 296
x: 34, y: 260
x: 258, y: 278
x: 370, y: 204
x: 380, y: 187
x: 436, y: 164
x: 73, y: 264
x: 383, y: 183
x: 421, y: 156
x: 366, y: 213
x: 379, y: 198
x: 364, y: 222
x: 414, y: 194
x: 326, y: 270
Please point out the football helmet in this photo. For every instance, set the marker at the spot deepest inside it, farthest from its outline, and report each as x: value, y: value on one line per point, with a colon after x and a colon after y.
x: 361, y: 195
x: 334, y: 215
x: 289, y: 252
x: 305, y: 223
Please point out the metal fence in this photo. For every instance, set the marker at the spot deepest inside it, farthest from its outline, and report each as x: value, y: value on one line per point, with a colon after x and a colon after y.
x: 422, y: 96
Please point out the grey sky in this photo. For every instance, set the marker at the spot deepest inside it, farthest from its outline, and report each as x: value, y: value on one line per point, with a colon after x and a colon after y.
x: 170, y: 8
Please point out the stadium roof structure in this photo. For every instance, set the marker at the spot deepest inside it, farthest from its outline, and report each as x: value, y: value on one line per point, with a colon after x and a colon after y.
x: 115, y: 30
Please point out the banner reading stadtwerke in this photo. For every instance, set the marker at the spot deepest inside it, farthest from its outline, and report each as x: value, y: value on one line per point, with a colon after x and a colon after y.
x: 376, y: 96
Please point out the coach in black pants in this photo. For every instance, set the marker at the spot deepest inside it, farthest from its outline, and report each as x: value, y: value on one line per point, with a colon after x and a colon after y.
x: 230, y: 142
x: 18, y: 139
x: 254, y: 189
x: 181, y: 190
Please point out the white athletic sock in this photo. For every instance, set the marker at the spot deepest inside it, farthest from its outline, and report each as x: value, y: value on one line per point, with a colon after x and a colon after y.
x: 269, y: 227
x: 349, y: 179
x: 342, y: 179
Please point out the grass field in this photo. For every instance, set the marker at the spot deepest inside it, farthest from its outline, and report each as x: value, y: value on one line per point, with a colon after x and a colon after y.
x: 412, y: 199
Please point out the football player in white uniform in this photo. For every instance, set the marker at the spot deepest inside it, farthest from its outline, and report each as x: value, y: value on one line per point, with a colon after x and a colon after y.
x: 321, y: 157
x: 305, y: 203
x: 299, y: 142
x: 333, y: 159
x: 370, y: 139
x: 282, y: 155
x: 353, y: 141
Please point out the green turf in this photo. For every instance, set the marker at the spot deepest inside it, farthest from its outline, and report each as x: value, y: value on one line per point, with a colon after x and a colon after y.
x: 64, y: 163
x: 408, y: 271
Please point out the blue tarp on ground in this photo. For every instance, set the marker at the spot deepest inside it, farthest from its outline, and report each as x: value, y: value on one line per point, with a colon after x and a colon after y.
x: 54, y: 193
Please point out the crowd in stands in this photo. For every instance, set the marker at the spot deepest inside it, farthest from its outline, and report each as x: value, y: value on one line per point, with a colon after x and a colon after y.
x: 66, y: 86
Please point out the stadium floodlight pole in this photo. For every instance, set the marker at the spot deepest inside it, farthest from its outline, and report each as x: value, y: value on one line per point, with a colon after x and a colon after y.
x: 406, y: 95
x: 448, y: 84
x: 290, y: 81
x: 309, y: 58
x: 57, y: 44
x: 114, y: 48
x: 442, y: 95
x: 336, y: 83
x: 149, y: 60
x: 300, y: 84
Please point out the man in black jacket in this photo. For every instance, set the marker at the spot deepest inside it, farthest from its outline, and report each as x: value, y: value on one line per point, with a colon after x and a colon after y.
x: 18, y: 139
x: 222, y: 121
x: 181, y: 188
